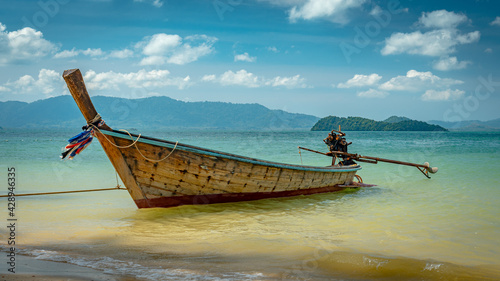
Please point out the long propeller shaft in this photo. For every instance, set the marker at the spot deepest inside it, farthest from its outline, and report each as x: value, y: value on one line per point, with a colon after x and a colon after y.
x: 424, y: 168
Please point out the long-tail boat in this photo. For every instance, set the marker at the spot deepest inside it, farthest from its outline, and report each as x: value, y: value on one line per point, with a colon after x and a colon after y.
x: 160, y: 173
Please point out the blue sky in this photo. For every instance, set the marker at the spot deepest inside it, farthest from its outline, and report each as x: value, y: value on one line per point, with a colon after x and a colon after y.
x: 421, y: 59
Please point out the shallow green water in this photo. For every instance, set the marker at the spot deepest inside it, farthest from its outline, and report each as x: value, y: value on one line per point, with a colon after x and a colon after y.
x: 407, y: 227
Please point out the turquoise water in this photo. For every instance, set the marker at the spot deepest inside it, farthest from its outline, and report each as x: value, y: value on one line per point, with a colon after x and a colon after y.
x: 406, y: 227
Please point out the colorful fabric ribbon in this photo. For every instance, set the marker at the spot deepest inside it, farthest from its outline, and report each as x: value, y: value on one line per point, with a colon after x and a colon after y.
x: 79, y: 142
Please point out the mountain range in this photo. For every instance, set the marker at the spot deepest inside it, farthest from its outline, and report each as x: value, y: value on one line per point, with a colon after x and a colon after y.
x: 152, y: 112
x: 165, y: 112
x: 469, y: 125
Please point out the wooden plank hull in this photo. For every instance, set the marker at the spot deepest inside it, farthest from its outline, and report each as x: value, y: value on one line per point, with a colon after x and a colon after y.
x: 192, y: 175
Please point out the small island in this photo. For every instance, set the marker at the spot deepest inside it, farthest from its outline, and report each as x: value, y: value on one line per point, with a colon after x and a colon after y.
x: 393, y: 123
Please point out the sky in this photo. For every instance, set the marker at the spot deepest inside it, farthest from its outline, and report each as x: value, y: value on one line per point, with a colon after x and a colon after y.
x: 426, y: 60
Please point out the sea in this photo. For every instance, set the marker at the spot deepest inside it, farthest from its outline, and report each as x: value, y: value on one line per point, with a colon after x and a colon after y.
x: 407, y: 227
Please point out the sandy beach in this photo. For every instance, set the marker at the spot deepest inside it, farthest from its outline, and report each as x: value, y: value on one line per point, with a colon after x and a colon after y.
x: 29, y: 268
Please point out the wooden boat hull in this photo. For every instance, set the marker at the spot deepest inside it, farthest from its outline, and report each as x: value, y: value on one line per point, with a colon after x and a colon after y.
x: 193, y: 175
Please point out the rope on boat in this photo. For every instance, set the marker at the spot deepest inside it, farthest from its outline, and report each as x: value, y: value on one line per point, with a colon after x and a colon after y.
x: 151, y: 160
x: 360, y: 180
x: 64, y: 192
x: 96, y: 119
x: 134, y: 143
x: 117, y: 182
x: 118, y: 187
x: 115, y: 145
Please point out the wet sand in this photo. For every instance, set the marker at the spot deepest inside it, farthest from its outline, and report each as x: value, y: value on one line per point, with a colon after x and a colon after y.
x: 29, y: 268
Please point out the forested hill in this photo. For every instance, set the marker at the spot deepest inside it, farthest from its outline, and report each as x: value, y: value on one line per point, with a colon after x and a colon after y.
x: 153, y: 112
x: 362, y: 124
x: 470, y: 125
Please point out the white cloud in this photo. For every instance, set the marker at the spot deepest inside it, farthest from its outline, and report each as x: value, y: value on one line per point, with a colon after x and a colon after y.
x: 74, y: 52
x: 28, y: 43
x: 153, y: 60
x: 121, y: 54
x: 450, y: 63
x: 289, y: 82
x: 372, y: 93
x: 418, y: 81
x: 433, y: 87
x: 207, y: 78
x: 441, y: 41
x: 273, y: 49
x: 250, y: 80
x: 23, y: 45
x: 433, y: 95
x: 433, y: 43
x: 284, y: 3
x: 360, y: 80
x: 48, y: 83
x: 67, y: 54
x: 334, y: 10
x: 161, y: 43
x: 145, y: 80
x: 156, y: 3
x: 442, y: 19
x: 496, y: 21
x: 488, y: 50
x: 164, y: 48
x: 93, y: 52
x: 244, y: 57
x: 24, y: 85
x: 127, y: 85
x: 376, y: 11
x: 241, y: 77
x: 186, y: 53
